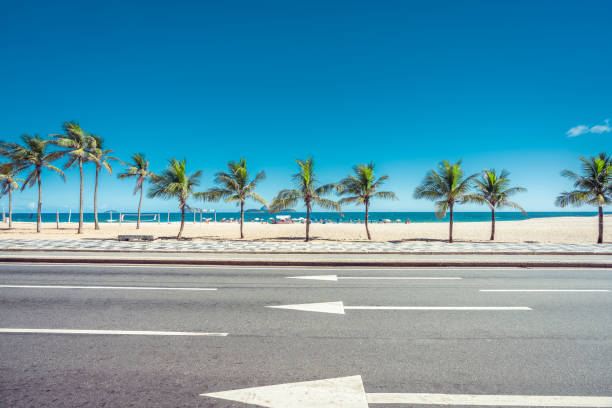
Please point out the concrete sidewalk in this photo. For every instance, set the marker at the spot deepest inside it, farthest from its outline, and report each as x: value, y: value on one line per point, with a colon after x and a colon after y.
x: 301, y: 259
x: 299, y: 246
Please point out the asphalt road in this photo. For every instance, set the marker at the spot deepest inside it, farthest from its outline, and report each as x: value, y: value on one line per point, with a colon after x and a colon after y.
x: 562, y: 346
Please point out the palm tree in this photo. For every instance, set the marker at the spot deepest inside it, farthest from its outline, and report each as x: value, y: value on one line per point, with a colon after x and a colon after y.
x: 493, y: 190
x: 139, y: 168
x: 235, y: 186
x: 593, y: 187
x: 362, y: 187
x: 307, y: 190
x: 8, y: 183
x: 101, y: 159
x: 446, y: 186
x: 78, y: 144
x: 175, y: 182
x: 33, y: 156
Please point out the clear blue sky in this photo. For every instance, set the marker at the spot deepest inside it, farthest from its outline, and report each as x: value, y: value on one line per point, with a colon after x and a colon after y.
x: 404, y: 84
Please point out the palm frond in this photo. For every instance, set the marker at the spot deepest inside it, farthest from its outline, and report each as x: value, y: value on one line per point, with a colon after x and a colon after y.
x: 475, y: 199
x: 575, y: 198
x: 511, y: 204
x: 441, y: 209
x: 385, y: 195
x: 327, y: 204
x: 325, y: 189
x: 285, y: 199
x: 351, y: 200
x: 254, y: 196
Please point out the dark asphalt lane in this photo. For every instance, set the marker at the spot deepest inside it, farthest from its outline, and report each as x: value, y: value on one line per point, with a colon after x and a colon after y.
x: 561, y: 347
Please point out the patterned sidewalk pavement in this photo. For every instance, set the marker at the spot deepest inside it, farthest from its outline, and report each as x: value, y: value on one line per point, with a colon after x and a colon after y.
x: 90, y: 245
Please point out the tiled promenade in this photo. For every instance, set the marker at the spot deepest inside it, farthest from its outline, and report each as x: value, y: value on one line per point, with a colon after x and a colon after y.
x: 300, y: 246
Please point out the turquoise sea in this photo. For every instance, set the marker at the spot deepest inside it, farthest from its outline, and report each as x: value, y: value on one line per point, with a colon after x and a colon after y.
x: 464, y: 216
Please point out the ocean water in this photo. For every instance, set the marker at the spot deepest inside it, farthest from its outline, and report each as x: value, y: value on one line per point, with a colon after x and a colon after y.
x: 464, y: 216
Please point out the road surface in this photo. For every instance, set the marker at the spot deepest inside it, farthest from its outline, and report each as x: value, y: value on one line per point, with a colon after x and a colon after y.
x: 150, y: 336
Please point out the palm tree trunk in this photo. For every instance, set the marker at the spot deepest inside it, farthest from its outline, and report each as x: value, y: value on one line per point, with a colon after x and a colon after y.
x: 80, y: 229
x: 241, y: 218
x: 366, y: 220
x: 97, y: 226
x: 180, y: 234
x: 10, y: 207
x: 450, y: 225
x: 38, y: 217
x: 492, y: 224
x: 601, y: 220
x: 139, y: 205
x: 307, y: 221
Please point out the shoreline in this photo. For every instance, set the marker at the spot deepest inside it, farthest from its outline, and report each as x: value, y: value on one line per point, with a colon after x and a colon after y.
x: 578, y: 230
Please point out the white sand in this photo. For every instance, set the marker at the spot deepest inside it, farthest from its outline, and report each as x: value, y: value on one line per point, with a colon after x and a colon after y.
x: 542, y: 230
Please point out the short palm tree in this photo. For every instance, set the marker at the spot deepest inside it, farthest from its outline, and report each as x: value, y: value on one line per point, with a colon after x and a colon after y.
x: 592, y: 187
x: 9, y: 183
x: 101, y: 159
x: 362, y: 187
x: 78, y: 145
x: 138, y: 169
x: 235, y: 186
x: 493, y: 189
x: 32, y: 155
x: 307, y: 190
x: 446, y: 186
x: 174, y: 182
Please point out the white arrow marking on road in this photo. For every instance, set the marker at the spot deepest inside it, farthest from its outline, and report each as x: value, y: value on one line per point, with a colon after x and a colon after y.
x: 544, y: 290
x: 348, y: 392
x: 117, y: 332
x: 101, y: 287
x: 344, y: 392
x: 327, y: 307
x: 339, y: 308
x: 335, y: 278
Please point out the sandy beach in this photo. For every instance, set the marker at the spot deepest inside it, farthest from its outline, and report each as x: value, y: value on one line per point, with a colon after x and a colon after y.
x: 579, y: 230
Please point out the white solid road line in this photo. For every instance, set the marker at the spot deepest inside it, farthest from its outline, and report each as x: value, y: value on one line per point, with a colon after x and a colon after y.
x: 489, y: 400
x: 114, y: 332
x: 544, y: 290
x: 339, y: 308
x: 348, y: 392
x: 477, y: 308
x: 102, y: 287
x: 118, y: 264
x: 335, y: 278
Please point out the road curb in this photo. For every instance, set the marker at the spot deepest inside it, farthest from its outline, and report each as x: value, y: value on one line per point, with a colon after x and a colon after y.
x: 327, y: 263
x: 161, y: 251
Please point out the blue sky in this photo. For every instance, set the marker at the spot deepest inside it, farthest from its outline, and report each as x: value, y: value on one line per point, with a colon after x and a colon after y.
x: 404, y: 84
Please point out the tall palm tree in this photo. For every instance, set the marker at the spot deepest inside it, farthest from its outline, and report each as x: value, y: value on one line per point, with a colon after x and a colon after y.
x: 8, y: 183
x: 101, y: 159
x: 235, y: 186
x: 493, y: 189
x: 139, y: 169
x: 308, y: 190
x: 78, y: 144
x: 32, y: 155
x: 175, y: 182
x: 593, y: 187
x: 362, y: 187
x: 446, y: 186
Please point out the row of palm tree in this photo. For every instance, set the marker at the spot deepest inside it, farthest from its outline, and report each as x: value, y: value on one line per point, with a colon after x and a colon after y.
x: 358, y: 188
x: 33, y: 155
x: 446, y: 186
